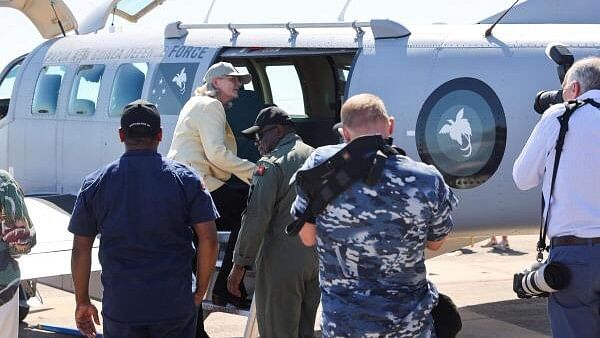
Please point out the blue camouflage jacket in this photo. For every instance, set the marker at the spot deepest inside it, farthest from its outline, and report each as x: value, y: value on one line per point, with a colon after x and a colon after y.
x: 371, y: 243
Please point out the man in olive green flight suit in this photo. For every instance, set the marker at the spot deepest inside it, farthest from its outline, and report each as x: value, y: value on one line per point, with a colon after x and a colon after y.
x: 287, y: 288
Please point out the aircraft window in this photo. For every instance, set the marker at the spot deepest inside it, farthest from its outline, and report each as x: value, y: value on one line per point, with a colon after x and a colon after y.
x: 345, y: 72
x: 6, y: 88
x: 461, y: 129
x: 132, y: 7
x: 86, y: 87
x: 127, y: 86
x: 172, y: 86
x: 8, y: 82
x: 243, y: 69
x: 45, y: 96
x: 286, y: 89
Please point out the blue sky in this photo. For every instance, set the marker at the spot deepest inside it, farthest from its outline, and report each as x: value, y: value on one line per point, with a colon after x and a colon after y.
x: 19, y: 36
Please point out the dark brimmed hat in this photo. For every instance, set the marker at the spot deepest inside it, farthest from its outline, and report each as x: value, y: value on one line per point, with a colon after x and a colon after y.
x: 140, y: 119
x: 269, y: 116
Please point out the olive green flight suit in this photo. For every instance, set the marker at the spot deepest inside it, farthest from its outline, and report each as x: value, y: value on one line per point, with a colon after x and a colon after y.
x: 287, y: 288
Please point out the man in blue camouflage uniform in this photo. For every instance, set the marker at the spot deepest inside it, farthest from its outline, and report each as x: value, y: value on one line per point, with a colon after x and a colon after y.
x: 371, y: 240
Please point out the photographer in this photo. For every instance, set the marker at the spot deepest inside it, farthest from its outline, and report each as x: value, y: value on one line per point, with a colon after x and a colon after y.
x: 574, y: 215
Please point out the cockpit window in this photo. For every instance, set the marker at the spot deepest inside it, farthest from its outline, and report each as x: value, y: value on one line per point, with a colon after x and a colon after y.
x: 127, y: 86
x: 8, y: 82
x: 86, y: 87
x: 6, y: 88
x: 47, y: 86
x: 172, y: 86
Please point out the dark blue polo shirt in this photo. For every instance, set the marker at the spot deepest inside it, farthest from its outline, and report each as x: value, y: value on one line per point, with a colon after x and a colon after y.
x: 144, y: 206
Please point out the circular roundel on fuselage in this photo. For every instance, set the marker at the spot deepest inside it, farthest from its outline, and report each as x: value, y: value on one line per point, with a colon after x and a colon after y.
x: 461, y: 130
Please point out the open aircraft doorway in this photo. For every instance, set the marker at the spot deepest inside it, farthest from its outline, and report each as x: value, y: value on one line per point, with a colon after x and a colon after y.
x: 309, y: 84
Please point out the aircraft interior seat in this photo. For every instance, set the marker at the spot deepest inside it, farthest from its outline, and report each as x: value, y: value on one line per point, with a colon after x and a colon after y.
x: 83, y: 107
x: 316, y: 132
x: 46, y: 94
x: 127, y: 88
x: 242, y: 115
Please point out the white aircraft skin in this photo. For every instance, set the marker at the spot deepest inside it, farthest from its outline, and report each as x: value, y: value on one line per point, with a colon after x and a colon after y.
x: 432, y: 70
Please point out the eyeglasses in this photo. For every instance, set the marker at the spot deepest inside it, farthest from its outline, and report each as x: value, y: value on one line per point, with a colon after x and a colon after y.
x: 234, y: 79
x: 260, y: 134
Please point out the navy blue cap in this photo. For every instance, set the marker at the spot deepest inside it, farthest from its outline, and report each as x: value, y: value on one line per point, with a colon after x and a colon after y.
x: 140, y: 119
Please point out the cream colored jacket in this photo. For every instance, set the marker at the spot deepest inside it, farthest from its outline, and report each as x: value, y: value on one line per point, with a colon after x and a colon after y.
x: 204, y: 141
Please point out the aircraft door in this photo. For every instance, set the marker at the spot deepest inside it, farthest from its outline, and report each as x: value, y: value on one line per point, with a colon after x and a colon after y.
x: 44, y: 15
x: 81, y: 129
x: 39, y: 134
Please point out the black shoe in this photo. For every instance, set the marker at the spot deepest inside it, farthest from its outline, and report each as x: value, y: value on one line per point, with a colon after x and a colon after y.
x: 239, y: 302
x: 219, y: 300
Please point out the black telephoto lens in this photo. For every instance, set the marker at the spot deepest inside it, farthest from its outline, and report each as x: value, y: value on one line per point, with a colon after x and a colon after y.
x: 546, y: 98
x: 557, y: 275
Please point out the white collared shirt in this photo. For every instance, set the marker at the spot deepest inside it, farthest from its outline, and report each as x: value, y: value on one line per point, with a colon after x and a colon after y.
x: 575, y: 205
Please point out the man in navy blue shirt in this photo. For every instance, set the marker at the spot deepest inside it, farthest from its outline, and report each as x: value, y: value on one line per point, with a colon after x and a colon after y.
x: 147, y: 210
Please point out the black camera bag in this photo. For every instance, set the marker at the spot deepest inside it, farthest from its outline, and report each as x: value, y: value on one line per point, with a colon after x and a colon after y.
x: 446, y: 318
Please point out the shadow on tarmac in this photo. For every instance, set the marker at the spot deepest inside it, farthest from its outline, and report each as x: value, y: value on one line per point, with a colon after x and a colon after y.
x: 464, y: 251
x: 507, y: 252
x: 530, y: 313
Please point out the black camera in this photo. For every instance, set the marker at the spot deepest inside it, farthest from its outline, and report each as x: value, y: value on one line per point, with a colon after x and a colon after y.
x: 546, y: 98
x: 541, y: 279
x: 564, y: 59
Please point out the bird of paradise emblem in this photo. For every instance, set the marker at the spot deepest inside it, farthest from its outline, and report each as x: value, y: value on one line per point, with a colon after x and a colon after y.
x: 459, y: 130
x: 180, y: 80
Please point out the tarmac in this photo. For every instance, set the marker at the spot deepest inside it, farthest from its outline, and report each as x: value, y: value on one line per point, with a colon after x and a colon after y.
x: 479, y: 280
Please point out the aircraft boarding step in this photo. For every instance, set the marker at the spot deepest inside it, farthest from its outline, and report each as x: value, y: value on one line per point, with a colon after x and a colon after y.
x: 251, y: 329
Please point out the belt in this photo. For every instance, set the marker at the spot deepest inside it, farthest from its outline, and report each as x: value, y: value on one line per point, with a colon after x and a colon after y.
x: 574, y: 240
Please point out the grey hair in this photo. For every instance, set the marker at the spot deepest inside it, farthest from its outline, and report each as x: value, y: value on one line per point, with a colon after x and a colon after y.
x: 208, y: 89
x: 586, y: 72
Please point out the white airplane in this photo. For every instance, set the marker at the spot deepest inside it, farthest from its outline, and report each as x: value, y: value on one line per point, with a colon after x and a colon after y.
x: 461, y: 96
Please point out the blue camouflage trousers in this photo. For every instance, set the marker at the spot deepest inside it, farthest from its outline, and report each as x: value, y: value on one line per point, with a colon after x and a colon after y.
x: 374, y: 316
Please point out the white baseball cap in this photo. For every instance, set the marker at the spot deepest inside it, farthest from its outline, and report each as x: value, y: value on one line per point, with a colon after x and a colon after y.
x: 222, y: 69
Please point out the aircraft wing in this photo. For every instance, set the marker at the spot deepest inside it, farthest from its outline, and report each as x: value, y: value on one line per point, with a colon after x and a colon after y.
x: 51, y: 256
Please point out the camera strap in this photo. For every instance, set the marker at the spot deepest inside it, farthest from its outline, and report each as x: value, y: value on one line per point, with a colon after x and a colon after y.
x: 570, y: 108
